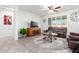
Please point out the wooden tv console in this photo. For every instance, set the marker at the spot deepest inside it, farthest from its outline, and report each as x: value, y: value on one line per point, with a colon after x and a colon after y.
x: 33, y: 31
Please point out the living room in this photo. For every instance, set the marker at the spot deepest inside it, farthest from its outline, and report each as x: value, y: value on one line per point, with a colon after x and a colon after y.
x: 30, y: 28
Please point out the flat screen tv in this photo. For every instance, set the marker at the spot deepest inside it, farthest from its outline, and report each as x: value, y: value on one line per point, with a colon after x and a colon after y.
x: 33, y: 24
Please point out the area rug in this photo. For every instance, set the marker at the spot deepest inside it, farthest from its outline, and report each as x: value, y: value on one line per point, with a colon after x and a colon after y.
x: 58, y: 44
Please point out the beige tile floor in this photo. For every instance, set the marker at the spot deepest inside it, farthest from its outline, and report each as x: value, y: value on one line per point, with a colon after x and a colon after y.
x: 23, y: 45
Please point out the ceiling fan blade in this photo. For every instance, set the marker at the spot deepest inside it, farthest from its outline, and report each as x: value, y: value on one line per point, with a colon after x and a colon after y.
x: 58, y: 7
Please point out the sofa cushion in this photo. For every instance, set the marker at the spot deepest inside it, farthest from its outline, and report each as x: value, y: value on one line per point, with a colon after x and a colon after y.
x: 76, y: 34
x: 74, y: 38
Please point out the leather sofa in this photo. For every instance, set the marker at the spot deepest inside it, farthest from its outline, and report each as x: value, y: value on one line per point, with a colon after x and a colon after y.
x: 73, y: 42
x: 61, y: 31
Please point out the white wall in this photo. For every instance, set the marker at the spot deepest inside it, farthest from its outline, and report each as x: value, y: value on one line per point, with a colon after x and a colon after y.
x: 22, y: 18
x: 44, y: 25
x: 6, y: 30
x: 25, y: 17
x: 71, y: 26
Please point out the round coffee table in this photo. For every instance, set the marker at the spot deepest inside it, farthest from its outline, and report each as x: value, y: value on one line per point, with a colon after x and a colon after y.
x: 49, y: 36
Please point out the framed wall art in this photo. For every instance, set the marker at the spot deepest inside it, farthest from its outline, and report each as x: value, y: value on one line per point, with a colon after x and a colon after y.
x: 7, y: 20
x: 44, y: 20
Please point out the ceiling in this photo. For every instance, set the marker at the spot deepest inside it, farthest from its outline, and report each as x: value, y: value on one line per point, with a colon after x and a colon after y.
x: 37, y: 9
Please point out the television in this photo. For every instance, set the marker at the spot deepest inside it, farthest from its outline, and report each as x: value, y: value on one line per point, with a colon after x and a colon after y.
x: 33, y: 24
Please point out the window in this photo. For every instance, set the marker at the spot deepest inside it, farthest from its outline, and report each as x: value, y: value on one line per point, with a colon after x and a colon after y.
x: 49, y: 21
x: 58, y: 20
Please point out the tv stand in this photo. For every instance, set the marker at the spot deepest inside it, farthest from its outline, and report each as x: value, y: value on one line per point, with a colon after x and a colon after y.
x: 33, y: 31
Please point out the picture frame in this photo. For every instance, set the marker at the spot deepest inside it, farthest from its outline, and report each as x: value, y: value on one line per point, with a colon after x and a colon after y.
x: 44, y: 20
x: 7, y: 20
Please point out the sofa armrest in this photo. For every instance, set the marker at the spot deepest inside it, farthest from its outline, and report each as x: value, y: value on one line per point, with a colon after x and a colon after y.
x: 72, y: 33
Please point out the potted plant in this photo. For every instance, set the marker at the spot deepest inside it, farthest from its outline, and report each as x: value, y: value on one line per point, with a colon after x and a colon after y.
x: 23, y: 32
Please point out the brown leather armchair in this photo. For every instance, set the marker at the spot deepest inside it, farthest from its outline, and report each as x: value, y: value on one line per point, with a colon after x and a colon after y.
x: 73, y: 41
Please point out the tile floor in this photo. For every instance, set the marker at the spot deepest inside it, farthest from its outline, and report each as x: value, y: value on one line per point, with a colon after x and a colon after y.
x: 24, y: 45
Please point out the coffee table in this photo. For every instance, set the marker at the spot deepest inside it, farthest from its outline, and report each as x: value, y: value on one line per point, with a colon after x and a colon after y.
x: 49, y: 36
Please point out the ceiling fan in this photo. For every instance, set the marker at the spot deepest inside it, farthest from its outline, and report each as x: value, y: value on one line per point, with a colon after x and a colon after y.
x: 52, y: 8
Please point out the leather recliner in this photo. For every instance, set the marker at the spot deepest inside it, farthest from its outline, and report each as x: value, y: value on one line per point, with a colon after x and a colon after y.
x: 73, y: 41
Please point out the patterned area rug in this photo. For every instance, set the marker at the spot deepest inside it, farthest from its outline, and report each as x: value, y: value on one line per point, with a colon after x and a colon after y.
x: 59, y: 44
